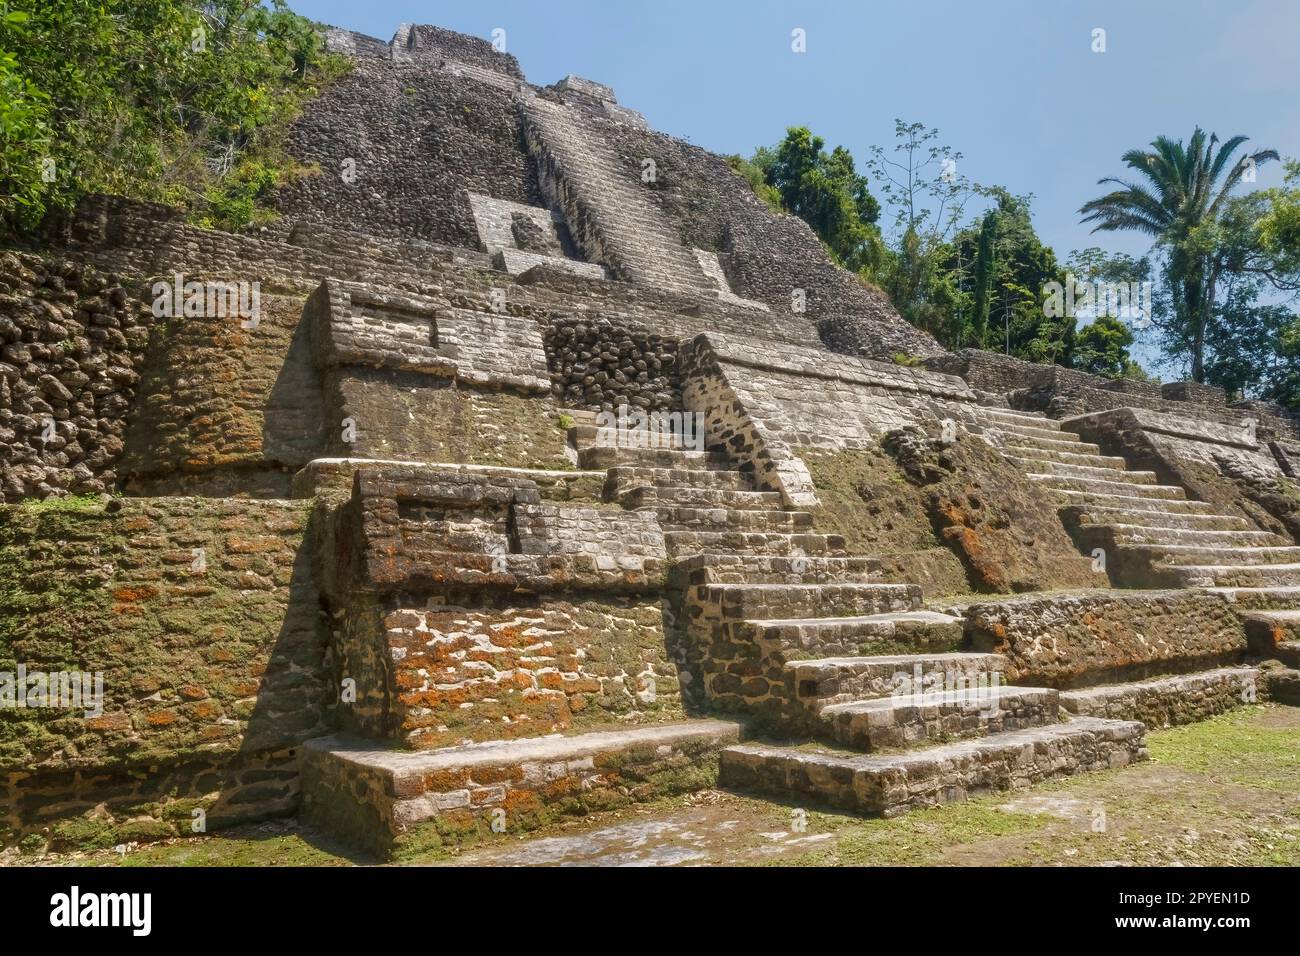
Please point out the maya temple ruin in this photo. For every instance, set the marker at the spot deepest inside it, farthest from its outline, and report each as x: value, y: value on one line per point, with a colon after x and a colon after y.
x: 529, y: 465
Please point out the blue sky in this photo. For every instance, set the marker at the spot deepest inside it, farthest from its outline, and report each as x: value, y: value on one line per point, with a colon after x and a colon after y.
x: 1012, y: 84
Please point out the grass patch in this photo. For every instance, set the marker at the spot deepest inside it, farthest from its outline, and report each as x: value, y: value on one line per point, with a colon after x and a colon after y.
x: 67, y: 503
x: 1222, y: 792
x: 1236, y: 748
x: 916, y: 839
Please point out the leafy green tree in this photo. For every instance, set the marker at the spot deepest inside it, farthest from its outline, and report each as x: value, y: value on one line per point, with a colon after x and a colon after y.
x: 1102, y: 348
x: 826, y: 191
x: 1282, y: 384
x: 1019, y: 270
x: 754, y: 174
x: 985, y: 265
x: 1279, y: 232
x: 24, y: 133
x: 1181, y: 205
x: 171, y: 100
x: 925, y: 197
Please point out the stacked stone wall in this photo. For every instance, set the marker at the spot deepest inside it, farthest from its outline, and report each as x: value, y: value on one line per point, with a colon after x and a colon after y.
x: 140, y: 240
x: 72, y: 344
x: 1103, y: 637
x: 1062, y: 393
x: 225, y: 406
x: 471, y: 609
x: 204, y: 620
x: 604, y: 364
x: 397, y: 146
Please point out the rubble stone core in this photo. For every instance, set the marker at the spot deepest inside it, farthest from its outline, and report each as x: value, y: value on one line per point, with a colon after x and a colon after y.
x: 401, y: 553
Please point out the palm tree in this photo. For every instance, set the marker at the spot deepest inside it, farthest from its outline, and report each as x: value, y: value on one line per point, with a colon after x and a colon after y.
x: 1179, y: 206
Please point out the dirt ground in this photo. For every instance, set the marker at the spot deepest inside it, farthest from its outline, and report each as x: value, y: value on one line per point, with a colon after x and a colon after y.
x: 1222, y: 792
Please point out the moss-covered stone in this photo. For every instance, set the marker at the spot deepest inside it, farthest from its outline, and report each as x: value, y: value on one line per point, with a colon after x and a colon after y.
x: 83, y: 833
x: 1002, y: 526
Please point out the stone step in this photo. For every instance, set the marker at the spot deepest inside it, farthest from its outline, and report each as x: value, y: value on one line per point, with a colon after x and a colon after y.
x: 1161, y: 518
x: 1268, y: 633
x: 673, y: 517
x: 758, y: 602
x: 864, y: 635
x: 1039, y: 431
x: 1197, y: 537
x: 752, y: 542
x: 597, y: 185
x: 1011, y: 440
x: 1260, y: 597
x: 591, y: 436
x: 887, y: 785
x: 580, y: 416
x: 1116, y: 486
x: 1030, y: 419
x: 1132, y: 503
x: 1233, y: 576
x: 820, y: 682
x: 601, y: 458
x: 1066, y: 470
x: 1167, y: 701
x: 1210, y: 554
x: 693, y: 497
x: 1028, y: 456
x: 710, y: 568
x: 914, y: 720
x: 624, y: 477
x: 388, y: 800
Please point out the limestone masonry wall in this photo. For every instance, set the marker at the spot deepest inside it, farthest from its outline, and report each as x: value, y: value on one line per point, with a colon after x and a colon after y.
x: 603, y: 364
x: 400, y: 143
x: 442, y: 651
x: 527, y: 669
x: 360, y: 519
x: 72, y: 343
x: 144, y: 240
x: 223, y: 408
x: 203, y: 618
x: 1105, y: 637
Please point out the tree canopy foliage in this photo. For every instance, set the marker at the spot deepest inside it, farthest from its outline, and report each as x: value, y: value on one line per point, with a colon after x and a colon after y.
x: 1183, y: 203
x: 824, y: 189
x: 1228, y: 263
x: 1210, y: 299
x: 169, y: 100
x: 969, y: 283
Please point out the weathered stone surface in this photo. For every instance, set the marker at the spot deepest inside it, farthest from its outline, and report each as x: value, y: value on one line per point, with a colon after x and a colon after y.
x: 479, y: 267
x: 453, y: 674
x: 395, y: 803
x: 599, y: 363
x: 1008, y: 536
x: 72, y: 343
x: 421, y: 527
x: 1168, y: 701
x: 1072, y: 640
x: 889, y: 785
x: 203, y: 618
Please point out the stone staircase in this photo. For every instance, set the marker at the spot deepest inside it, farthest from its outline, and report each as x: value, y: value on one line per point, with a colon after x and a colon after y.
x: 887, y: 785
x: 1153, y: 535
x: 605, y: 206
x: 808, y: 641
x: 881, y: 712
